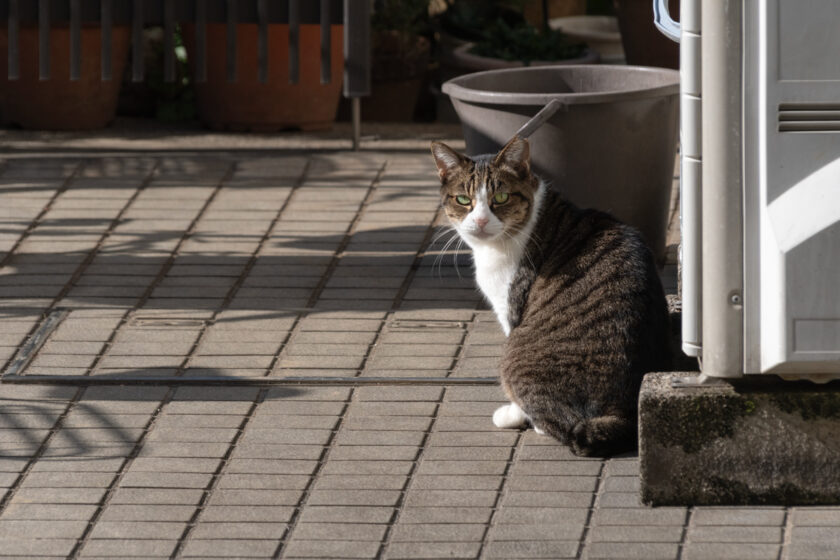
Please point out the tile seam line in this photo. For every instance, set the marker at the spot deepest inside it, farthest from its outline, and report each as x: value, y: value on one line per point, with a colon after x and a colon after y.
x: 325, y: 278
x: 80, y: 270
x: 30, y: 464
x: 246, y: 270
x: 165, y: 268
x: 183, y: 540
x: 307, y: 491
x: 502, y: 493
x: 398, y: 507
x: 787, y: 532
x: 599, y: 490
x: 82, y: 541
x: 684, y: 540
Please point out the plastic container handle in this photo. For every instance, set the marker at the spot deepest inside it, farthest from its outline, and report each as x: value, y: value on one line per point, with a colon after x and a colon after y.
x: 664, y: 23
x: 539, y: 119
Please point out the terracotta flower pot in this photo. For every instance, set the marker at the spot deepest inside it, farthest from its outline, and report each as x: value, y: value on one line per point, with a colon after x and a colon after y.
x: 60, y: 103
x: 248, y: 104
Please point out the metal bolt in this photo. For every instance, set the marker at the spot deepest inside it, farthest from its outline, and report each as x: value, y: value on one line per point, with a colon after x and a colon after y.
x: 735, y: 299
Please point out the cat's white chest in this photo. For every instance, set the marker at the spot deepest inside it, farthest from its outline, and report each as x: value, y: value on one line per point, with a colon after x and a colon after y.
x: 494, y: 272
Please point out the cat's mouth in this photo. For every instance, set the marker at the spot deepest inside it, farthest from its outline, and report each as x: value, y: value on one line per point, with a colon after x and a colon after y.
x: 482, y: 235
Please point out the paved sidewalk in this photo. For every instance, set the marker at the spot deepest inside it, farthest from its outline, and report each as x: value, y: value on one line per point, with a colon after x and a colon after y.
x: 270, y: 352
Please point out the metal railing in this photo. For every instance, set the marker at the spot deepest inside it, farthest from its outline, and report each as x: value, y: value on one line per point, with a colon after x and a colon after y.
x: 353, y: 14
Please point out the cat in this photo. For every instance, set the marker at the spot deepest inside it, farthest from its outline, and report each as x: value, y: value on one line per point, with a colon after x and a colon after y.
x: 576, y: 293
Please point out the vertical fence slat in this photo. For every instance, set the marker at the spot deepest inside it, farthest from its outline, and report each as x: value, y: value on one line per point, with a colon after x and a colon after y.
x: 356, y: 59
x: 262, y: 40
x: 168, y: 41
x: 75, y: 40
x: 14, y: 48
x: 356, y: 48
x: 44, y: 39
x: 294, y: 41
x: 231, y: 40
x: 137, y: 69
x: 106, y: 19
x: 200, y: 63
x: 326, y: 43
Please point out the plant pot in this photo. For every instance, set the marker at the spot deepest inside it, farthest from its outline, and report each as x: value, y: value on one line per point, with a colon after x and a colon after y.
x: 532, y: 10
x: 644, y: 45
x: 611, y: 146
x: 248, y: 104
x: 397, y: 75
x: 476, y: 63
x: 600, y: 33
x: 60, y: 103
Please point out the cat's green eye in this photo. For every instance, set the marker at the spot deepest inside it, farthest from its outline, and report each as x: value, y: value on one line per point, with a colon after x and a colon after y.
x: 501, y: 197
x: 463, y: 200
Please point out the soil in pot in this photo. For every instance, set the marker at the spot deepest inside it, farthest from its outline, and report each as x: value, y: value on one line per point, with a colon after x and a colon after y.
x: 248, y: 104
x: 60, y: 103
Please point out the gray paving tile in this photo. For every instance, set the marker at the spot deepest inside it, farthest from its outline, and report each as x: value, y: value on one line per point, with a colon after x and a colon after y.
x: 238, y: 530
x: 147, y: 513
x: 331, y: 549
x: 743, y: 534
x: 531, y: 549
x: 37, y: 547
x: 246, y: 514
x: 160, y: 530
x: 646, y: 551
x: 124, y: 548
x: 348, y: 531
x: 740, y: 551
x: 433, y: 550
x: 45, y: 529
x: 636, y: 533
x: 347, y: 514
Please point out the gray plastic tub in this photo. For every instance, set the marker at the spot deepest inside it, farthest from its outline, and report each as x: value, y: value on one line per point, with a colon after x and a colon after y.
x: 611, y: 146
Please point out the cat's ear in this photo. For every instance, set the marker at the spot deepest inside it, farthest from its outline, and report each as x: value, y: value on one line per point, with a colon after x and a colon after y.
x: 446, y: 159
x: 516, y: 156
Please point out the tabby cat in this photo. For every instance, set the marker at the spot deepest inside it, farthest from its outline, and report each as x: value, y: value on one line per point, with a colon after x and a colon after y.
x: 576, y: 292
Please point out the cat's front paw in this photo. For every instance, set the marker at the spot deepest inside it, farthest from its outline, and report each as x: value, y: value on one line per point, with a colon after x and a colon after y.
x: 510, y: 416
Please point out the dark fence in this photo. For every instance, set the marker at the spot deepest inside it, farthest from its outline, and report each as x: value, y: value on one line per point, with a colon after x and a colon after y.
x: 353, y: 14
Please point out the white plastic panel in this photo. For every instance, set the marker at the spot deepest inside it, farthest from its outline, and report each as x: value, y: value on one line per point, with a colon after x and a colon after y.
x: 799, y: 188
x: 691, y: 140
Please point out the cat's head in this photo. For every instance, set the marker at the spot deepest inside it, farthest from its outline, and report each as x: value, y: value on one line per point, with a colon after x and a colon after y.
x: 487, y: 198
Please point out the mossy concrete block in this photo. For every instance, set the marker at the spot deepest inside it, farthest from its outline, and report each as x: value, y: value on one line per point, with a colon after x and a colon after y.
x: 763, y: 442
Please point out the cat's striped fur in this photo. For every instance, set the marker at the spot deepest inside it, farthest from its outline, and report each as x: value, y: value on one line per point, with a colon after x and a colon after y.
x: 584, y: 309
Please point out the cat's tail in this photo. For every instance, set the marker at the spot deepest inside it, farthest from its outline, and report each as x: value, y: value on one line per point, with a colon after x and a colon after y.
x: 601, y: 436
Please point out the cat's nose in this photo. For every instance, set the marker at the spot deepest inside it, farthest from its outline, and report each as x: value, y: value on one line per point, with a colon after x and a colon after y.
x: 481, y: 222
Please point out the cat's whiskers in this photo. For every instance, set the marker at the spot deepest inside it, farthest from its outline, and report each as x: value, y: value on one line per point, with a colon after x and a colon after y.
x: 442, y: 252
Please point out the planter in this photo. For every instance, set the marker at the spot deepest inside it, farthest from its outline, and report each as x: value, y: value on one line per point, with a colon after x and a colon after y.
x: 474, y: 63
x: 533, y: 10
x: 248, y: 104
x: 60, y: 103
x: 600, y: 33
x: 643, y: 44
x: 611, y: 147
x: 397, y: 75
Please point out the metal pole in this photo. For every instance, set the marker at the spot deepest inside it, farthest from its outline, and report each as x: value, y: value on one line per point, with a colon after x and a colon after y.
x: 357, y: 121
x: 722, y: 212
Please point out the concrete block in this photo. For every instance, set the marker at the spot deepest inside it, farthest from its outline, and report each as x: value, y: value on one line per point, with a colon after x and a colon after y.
x: 755, y: 442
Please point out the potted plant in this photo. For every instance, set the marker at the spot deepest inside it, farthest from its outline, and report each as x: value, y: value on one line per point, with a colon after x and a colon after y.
x: 484, y: 36
x: 249, y: 104
x: 504, y: 46
x: 399, y: 59
x: 60, y: 103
